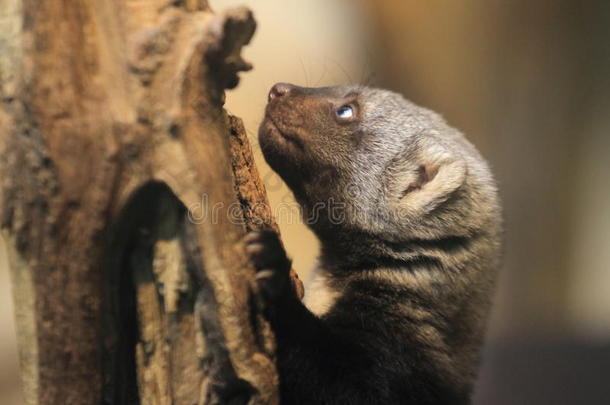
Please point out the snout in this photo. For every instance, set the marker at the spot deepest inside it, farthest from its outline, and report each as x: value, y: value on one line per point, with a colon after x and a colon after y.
x: 281, y: 90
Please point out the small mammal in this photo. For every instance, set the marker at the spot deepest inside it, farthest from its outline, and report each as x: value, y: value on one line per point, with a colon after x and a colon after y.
x: 396, y: 310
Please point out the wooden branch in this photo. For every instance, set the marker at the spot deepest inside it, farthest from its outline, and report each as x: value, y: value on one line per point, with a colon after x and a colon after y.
x: 117, y: 202
x: 251, y: 189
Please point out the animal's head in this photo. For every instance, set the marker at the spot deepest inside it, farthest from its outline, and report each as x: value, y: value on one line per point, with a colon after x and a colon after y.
x: 368, y: 160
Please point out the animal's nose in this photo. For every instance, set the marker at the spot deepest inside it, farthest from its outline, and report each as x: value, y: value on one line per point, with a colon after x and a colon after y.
x: 280, y: 90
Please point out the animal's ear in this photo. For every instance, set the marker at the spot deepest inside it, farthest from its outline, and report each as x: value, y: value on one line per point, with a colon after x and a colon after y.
x: 429, y: 183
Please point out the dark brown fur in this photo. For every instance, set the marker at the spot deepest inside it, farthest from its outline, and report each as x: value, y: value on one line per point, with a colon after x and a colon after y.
x: 408, y: 218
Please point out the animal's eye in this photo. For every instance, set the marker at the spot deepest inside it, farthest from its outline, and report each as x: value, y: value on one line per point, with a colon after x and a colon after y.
x: 345, y: 112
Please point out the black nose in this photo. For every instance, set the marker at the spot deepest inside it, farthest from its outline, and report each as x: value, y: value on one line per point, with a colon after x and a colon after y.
x: 280, y: 90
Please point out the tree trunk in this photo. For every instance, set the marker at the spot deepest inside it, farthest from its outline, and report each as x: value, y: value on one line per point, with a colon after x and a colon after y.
x: 119, y: 205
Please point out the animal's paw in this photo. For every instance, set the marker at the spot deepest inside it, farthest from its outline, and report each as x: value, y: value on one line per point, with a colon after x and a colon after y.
x: 272, y: 265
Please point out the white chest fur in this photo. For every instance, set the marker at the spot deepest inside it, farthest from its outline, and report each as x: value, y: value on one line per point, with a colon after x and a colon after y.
x: 319, y: 296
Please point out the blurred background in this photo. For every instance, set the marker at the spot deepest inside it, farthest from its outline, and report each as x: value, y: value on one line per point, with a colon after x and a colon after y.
x: 529, y: 83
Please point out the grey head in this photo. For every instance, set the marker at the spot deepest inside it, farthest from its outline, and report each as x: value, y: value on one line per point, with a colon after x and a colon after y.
x: 366, y: 162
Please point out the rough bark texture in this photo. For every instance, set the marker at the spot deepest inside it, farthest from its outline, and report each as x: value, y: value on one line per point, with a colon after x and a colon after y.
x: 251, y: 190
x: 119, y: 207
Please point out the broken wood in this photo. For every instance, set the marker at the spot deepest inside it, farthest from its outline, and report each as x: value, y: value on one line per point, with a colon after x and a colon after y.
x: 117, y: 200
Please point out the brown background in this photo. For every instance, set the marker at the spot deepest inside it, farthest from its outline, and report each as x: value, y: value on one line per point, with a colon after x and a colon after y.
x: 528, y: 82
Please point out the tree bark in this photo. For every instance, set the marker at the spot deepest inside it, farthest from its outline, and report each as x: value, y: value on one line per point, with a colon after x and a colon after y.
x: 125, y: 190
